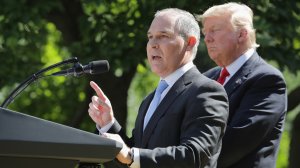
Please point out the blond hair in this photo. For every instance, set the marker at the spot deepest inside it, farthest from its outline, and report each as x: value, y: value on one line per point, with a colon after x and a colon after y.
x: 241, y: 17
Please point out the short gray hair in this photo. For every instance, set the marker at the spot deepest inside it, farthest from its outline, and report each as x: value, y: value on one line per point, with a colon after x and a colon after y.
x: 186, y: 25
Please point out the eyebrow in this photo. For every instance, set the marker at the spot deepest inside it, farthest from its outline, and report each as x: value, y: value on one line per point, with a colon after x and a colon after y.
x: 212, y: 27
x: 162, y: 32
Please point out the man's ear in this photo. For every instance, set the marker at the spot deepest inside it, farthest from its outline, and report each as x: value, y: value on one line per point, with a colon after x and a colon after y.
x: 243, y: 35
x: 192, y: 41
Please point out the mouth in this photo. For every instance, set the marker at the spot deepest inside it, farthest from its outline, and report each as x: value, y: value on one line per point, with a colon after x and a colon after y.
x: 155, y: 57
x: 211, y: 48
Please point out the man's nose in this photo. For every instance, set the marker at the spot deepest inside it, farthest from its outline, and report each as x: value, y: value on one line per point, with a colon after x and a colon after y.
x: 208, y: 38
x: 153, y: 43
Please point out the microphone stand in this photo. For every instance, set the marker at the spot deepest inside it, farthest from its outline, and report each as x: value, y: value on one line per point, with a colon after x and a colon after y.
x: 32, y: 78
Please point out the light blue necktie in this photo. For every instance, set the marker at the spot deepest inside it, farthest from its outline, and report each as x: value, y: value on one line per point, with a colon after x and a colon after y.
x: 155, y: 101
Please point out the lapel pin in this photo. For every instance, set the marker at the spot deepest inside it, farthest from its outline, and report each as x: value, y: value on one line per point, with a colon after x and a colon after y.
x: 239, y: 81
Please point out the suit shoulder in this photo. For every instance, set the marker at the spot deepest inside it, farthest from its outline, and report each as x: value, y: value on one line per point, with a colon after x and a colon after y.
x: 266, y: 69
x: 211, y: 72
x: 208, y: 84
x: 201, y: 82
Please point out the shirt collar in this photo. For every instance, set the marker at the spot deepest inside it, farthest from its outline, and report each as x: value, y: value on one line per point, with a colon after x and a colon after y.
x: 238, y: 63
x: 173, y: 77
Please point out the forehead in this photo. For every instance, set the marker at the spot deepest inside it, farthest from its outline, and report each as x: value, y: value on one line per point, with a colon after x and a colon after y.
x: 215, y: 21
x: 163, y: 23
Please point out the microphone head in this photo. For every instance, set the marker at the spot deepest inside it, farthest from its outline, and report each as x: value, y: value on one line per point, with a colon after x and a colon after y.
x: 100, y: 66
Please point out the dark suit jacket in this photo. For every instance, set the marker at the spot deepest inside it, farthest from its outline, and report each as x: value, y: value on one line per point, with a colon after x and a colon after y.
x: 257, y: 108
x: 186, y: 128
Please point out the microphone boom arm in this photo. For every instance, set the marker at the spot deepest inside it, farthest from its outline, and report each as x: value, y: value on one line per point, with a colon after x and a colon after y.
x: 31, y: 79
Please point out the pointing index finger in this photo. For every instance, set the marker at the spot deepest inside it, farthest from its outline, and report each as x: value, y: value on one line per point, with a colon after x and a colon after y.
x: 98, y: 91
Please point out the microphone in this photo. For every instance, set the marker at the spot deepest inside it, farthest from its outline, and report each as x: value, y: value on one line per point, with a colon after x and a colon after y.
x: 94, y: 67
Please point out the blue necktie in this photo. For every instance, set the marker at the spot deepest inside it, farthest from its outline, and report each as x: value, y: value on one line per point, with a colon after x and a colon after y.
x: 155, y: 101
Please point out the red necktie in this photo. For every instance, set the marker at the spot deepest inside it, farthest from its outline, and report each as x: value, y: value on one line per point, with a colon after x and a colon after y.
x: 224, y: 74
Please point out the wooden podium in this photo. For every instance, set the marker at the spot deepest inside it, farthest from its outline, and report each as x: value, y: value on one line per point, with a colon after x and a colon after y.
x: 27, y: 141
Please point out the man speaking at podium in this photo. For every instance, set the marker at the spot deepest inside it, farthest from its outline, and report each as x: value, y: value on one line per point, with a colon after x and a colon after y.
x: 182, y: 122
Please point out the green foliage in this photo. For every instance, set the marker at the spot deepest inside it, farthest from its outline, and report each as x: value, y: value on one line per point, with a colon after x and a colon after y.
x: 116, y: 31
x: 36, y: 34
x: 21, y: 39
x: 274, y: 34
x: 282, y: 161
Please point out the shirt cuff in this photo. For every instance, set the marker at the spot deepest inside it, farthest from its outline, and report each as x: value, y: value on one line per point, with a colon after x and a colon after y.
x: 136, y: 159
x: 106, y: 127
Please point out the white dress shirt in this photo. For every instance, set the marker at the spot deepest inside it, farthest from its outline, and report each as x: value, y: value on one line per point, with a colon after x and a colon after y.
x: 238, y: 63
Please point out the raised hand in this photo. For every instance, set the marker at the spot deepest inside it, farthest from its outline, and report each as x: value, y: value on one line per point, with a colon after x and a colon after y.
x: 100, y: 109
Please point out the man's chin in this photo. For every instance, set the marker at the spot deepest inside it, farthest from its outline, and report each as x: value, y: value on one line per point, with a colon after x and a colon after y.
x: 158, y: 71
x: 218, y: 62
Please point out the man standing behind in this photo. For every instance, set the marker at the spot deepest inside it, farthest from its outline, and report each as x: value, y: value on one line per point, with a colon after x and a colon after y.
x: 256, y: 90
x: 186, y: 127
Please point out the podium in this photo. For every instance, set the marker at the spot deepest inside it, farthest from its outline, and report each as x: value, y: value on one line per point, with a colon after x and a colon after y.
x: 27, y: 141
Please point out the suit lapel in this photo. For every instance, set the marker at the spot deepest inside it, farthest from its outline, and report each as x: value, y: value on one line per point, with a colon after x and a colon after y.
x: 216, y: 75
x: 241, y: 75
x: 213, y: 73
x: 162, y: 108
x: 140, y: 119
